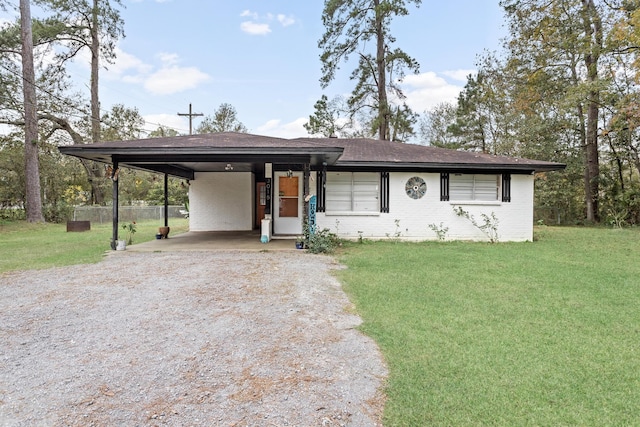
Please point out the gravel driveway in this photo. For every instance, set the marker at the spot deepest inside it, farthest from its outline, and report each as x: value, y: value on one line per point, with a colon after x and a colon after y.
x: 181, y: 339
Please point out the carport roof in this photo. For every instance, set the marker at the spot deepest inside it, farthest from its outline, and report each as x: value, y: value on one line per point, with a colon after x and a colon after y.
x: 184, y: 155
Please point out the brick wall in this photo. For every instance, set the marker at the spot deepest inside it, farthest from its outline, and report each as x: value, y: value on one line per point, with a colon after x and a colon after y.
x: 410, y: 218
x: 224, y: 201
x: 221, y: 201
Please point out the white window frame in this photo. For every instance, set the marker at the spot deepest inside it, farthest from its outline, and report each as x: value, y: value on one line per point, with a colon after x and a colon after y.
x: 475, y: 187
x: 352, y: 192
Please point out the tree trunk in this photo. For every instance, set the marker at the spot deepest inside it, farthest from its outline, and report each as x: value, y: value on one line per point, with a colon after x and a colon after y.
x: 95, y: 173
x: 383, y: 104
x: 32, y: 164
x: 593, y: 36
x: 95, y: 65
x: 592, y: 167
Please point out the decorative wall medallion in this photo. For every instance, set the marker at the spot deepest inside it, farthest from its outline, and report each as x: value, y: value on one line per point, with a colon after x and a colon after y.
x: 415, y: 187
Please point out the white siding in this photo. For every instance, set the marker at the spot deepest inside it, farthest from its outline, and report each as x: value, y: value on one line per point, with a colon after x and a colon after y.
x: 221, y: 201
x: 410, y: 218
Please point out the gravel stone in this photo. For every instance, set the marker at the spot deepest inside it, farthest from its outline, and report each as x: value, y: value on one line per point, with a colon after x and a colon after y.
x: 225, y: 338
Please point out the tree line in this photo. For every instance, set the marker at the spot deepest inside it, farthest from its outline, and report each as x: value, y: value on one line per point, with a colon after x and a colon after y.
x: 562, y: 88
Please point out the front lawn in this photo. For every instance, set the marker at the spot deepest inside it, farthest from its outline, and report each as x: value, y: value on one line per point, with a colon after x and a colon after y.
x: 25, y: 246
x: 542, y: 333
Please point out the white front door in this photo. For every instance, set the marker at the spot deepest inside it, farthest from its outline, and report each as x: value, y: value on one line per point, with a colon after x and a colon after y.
x: 288, y: 204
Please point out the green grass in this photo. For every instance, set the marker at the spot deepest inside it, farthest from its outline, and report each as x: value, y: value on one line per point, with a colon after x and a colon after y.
x: 25, y: 246
x: 543, y: 333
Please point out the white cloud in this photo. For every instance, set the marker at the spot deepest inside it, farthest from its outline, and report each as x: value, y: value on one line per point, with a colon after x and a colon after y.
x: 254, y: 28
x: 153, y: 121
x: 248, y: 13
x: 260, y: 25
x: 286, y: 20
x: 125, y: 63
x: 169, y: 78
x: 459, y: 75
x: 168, y: 58
x: 174, y: 79
x: 426, y: 90
x: 276, y: 128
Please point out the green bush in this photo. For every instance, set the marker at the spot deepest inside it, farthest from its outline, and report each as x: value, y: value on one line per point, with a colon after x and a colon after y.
x: 323, y: 241
x: 58, y: 212
x: 12, y: 214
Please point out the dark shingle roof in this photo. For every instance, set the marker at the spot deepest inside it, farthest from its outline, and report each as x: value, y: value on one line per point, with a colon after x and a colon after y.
x: 353, y: 152
x: 374, y: 152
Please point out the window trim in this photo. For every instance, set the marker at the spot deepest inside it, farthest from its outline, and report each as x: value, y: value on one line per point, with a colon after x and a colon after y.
x: 503, y: 193
x: 382, y: 196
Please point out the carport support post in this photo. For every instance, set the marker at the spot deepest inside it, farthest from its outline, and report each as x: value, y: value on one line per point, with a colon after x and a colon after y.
x: 166, y: 200
x: 116, y: 219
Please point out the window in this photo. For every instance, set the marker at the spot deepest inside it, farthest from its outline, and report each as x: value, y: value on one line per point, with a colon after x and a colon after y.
x: 352, y: 192
x: 479, y: 187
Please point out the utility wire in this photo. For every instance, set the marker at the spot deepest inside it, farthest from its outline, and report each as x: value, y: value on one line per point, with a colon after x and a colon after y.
x: 72, y: 106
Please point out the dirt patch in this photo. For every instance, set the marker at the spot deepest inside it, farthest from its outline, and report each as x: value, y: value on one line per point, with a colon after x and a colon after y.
x: 200, y: 338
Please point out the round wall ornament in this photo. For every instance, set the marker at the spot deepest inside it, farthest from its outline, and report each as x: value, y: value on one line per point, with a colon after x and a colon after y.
x: 415, y: 187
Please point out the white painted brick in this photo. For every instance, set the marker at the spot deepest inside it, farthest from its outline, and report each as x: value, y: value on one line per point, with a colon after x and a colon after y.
x: 224, y: 201
x: 411, y: 218
x: 221, y: 201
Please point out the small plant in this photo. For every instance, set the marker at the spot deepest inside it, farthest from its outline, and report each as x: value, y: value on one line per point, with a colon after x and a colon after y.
x: 617, y: 219
x: 489, y: 225
x: 130, y: 229
x: 440, y: 230
x: 323, y: 241
x: 397, y: 234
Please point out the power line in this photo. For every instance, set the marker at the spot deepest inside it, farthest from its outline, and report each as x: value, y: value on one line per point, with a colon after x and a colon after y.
x: 83, y: 113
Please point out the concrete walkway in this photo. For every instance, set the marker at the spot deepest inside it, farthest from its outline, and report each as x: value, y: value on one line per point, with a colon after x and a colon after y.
x: 214, y: 240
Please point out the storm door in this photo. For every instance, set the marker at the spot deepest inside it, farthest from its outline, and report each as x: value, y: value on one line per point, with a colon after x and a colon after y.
x: 288, y: 204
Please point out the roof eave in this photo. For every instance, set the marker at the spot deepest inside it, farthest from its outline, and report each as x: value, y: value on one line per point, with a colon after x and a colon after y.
x: 445, y: 167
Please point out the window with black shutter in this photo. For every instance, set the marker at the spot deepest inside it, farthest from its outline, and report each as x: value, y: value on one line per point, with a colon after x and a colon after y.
x: 506, y: 187
x: 320, y: 191
x: 444, y: 187
x: 384, y: 192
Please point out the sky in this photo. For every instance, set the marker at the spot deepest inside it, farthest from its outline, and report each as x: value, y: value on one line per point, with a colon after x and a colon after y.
x: 262, y: 57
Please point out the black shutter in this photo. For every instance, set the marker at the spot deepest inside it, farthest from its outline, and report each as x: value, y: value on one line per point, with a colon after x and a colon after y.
x: 444, y: 187
x: 320, y: 191
x: 384, y: 192
x: 506, y: 187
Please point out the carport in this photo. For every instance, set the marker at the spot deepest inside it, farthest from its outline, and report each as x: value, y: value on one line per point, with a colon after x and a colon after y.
x: 185, y: 156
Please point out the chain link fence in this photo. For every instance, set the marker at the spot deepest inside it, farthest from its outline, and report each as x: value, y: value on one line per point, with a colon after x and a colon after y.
x: 104, y: 214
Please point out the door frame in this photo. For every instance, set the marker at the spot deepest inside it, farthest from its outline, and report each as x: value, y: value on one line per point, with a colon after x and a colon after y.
x: 287, y: 225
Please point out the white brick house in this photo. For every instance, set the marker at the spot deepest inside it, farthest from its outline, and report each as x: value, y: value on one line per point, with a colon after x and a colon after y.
x: 369, y: 188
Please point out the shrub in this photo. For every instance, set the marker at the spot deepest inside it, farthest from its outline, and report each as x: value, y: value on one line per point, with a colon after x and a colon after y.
x: 58, y: 212
x: 323, y: 241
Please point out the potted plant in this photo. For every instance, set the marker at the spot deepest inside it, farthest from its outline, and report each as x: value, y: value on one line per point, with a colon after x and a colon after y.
x: 300, y: 242
x: 164, y: 232
x: 130, y: 229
